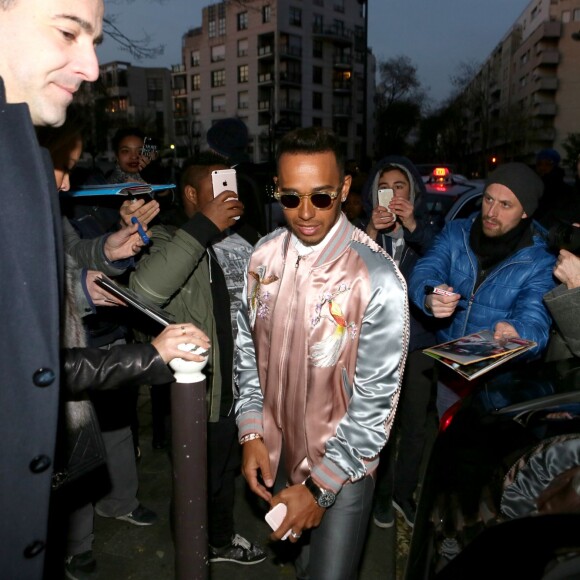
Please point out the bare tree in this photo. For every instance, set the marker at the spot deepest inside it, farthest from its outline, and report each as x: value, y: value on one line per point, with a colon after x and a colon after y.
x: 399, y: 101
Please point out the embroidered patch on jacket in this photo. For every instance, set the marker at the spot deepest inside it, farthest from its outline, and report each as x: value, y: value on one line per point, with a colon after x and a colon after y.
x: 258, y: 299
x: 326, y: 352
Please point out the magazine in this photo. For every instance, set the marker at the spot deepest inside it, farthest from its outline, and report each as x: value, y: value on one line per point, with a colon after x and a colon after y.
x: 133, y: 299
x: 125, y: 189
x: 475, y: 354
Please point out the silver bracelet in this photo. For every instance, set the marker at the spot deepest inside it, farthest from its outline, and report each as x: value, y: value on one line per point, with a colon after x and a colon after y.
x: 250, y: 437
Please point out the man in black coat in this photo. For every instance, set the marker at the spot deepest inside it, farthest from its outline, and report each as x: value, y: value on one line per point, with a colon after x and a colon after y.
x: 46, y: 52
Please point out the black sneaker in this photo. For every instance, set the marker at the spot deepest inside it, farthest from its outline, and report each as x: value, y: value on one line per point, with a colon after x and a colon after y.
x: 384, y: 517
x: 407, y: 509
x: 240, y: 551
x: 140, y: 516
x: 81, y: 566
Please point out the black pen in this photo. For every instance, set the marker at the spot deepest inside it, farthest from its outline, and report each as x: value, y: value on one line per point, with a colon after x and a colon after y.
x: 146, y: 239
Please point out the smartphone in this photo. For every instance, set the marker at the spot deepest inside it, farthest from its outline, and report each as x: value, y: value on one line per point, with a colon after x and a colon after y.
x: 385, y: 196
x: 224, y: 180
x: 276, y: 516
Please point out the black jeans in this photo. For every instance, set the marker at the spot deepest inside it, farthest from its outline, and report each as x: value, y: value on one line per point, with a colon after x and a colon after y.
x: 398, y: 472
x: 223, y: 462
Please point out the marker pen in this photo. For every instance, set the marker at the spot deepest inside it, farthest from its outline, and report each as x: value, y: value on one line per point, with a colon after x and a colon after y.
x: 146, y: 239
x: 440, y: 291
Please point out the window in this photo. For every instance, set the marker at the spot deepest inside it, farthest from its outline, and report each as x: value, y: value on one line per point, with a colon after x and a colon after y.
x: 211, y: 29
x: 195, y: 58
x: 317, y: 49
x: 242, y: 21
x: 243, y: 47
x: 218, y: 103
x: 317, y: 23
x: 576, y: 15
x: 295, y: 16
x: 339, y: 6
x: 317, y: 100
x: 243, y: 73
x: 222, y: 19
x: 317, y: 75
x: 243, y: 100
x: 266, y: 13
x: 218, y: 52
x: 316, y: 121
x: 154, y: 90
x: 195, y: 106
x: 218, y: 77
x: 195, y: 82
x: 566, y: 16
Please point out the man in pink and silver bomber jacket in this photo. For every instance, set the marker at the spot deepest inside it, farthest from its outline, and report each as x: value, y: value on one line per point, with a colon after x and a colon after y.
x: 322, y: 343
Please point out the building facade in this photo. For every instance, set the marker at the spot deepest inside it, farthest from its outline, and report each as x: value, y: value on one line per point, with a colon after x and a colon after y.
x: 526, y: 96
x: 277, y: 65
x: 127, y: 95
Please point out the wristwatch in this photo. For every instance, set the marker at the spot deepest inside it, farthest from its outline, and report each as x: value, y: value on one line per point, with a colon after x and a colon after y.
x: 323, y: 497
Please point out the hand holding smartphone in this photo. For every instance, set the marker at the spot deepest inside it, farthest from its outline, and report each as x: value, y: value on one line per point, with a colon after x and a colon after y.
x: 224, y: 180
x: 385, y: 197
x: 276, y: 516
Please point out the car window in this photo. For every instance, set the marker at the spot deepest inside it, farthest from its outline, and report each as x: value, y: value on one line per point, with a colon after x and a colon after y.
x: 471, y: 205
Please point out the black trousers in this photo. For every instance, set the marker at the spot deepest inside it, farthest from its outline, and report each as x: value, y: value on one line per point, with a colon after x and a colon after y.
x: 398, y: 472
x: 223, y: 462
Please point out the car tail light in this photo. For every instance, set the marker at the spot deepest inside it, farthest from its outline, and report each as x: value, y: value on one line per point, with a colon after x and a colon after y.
x: 448, y: 416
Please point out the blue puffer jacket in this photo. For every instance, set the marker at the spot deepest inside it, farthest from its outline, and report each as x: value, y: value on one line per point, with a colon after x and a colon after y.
x: 512, y: 292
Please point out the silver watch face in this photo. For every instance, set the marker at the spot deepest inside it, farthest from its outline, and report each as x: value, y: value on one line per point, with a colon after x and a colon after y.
x: 326, y: 499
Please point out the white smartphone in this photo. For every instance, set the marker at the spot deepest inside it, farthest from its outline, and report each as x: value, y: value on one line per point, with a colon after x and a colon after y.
x: 276, y: 516
x: 224, y: 180
x: 385, y: 196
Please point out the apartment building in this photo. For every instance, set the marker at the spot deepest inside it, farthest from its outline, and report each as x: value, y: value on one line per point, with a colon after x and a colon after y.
x: 528, y: 89
x: 277, y: 65
x: 129, y: 95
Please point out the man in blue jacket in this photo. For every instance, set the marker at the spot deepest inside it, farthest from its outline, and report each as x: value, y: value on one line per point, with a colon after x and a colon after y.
x: 497, y: 267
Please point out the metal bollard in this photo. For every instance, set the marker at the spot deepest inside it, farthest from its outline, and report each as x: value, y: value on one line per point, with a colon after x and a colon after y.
x: 189, y: 450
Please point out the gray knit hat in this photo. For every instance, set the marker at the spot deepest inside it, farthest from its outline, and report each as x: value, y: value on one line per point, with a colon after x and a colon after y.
x: 522, y: 181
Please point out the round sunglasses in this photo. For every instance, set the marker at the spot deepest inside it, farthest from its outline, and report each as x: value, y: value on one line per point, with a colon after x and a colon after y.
x: 319, y: 199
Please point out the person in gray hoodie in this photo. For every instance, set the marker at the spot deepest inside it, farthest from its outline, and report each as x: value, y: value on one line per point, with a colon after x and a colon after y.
x: 406, y: 235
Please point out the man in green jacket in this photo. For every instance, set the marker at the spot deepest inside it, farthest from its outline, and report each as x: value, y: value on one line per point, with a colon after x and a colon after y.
x: 196, y: 272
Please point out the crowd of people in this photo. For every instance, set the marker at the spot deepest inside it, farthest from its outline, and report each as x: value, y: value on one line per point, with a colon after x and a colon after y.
x: 317, y: 388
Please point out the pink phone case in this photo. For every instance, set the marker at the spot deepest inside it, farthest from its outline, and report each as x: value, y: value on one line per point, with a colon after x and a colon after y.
x: 276, y: 516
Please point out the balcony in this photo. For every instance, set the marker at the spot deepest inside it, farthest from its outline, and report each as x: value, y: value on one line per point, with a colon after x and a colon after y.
x: 266, y: 50
x: 333, y: 33
x: 545, y: 109
x: 292, y: 105
x: 291, y: 51
x: 264, y: 78
x: 342, y: 110
x: 548, y: 58
x: 291, y: 78
x: 342, y: 86
x: 179, y: 92
x: 342, y: 61
x: 546, y: 83
x: 552, y: 29
x: 263, y: 105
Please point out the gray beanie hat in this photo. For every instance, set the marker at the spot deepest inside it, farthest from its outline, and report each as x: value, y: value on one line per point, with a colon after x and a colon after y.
x: 522, y: 181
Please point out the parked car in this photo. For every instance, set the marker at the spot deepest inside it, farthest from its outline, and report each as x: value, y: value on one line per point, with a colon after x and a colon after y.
x: 444, y: 189
x: 496, y: 450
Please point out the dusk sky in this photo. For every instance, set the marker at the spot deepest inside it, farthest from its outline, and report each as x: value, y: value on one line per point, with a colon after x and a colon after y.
x: 437, y: 35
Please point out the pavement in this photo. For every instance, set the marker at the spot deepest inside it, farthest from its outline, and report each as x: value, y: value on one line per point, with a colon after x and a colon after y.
x: 124, y: 551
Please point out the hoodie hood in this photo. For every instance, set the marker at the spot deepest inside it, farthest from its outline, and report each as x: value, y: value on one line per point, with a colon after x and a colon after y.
x: 369, y: 192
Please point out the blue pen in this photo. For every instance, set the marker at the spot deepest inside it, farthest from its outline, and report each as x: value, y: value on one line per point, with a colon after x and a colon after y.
x: 146, y: 239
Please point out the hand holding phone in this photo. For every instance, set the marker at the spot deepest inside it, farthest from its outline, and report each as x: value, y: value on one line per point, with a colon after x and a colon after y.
x: 385, y: 197
x: 276, y: 516
x: 224, y: 180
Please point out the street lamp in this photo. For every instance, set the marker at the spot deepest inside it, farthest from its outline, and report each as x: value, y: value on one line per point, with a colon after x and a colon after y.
x: 174, y: 164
